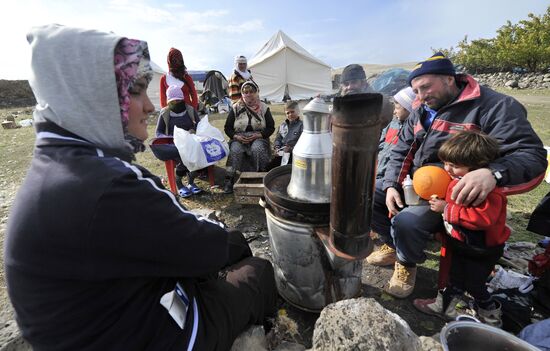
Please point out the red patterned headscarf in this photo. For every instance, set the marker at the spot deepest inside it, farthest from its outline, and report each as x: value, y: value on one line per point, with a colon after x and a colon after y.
x: 176, y: 66
x: 132, y: 62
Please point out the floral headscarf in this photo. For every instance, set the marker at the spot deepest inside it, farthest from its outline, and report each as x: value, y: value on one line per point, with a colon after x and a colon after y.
x: 132, y: 62
x: 252, y: 101
x: 176, y: 65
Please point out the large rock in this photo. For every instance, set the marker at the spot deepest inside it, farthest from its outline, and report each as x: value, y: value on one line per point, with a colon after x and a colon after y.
x: 251, y: 339
x: 10, y: 338
x: 362, y: 324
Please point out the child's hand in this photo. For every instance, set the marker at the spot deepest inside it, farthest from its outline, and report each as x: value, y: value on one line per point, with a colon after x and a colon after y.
x: 437, y: 205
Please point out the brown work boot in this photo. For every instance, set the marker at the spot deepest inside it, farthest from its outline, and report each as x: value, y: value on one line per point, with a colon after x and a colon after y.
x: 434, y: 307
x: 384, y: 256
x: 402, y: 282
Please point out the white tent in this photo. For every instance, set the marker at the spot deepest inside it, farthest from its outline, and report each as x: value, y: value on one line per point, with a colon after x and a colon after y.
x: 284, y: 67
x: 153, y: 91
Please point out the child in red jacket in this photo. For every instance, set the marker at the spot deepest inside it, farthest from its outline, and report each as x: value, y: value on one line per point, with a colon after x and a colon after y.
x: 476, y: 234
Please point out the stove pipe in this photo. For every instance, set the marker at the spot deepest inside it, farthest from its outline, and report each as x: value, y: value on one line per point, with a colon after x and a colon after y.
x: 355, y: 136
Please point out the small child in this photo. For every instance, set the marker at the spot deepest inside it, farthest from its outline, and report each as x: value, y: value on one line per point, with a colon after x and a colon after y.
x: 288, y: 134
x: 178, y: 114
x: 476, y: 234
x: 402, y: 109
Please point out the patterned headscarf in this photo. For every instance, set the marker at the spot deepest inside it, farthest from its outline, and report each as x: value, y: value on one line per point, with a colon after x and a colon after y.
x: 132, y: 62
x: 176, y: 65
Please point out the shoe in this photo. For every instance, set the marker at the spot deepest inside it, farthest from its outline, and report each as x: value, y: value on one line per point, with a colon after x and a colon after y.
x: 492, y: 316
x: 434, y: 307
x: 402, y: 282
x: 228, y: 186
x: 184, y: 191
x: 384, y: 256
x: 194, y: 188
x: 504, y: 279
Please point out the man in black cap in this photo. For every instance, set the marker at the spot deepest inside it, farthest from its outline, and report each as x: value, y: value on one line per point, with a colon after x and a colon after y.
x: 353, y: 80
x: 446, y: 103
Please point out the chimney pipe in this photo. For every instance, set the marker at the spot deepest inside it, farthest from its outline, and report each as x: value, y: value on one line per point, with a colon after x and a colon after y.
x: 355, y: 136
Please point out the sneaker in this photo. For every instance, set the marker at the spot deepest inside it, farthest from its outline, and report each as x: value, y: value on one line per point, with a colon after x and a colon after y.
x: 434, y: 307
x: 492, y: 317
x: 402, y: 282
x: 184, y: 191
x: 504, y: 279
x: 384, y: 256
x: 228, y: 186
x: 194, y: 188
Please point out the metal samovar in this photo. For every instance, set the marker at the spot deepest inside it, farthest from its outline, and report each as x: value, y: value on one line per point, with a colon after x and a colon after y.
x: 311, y: 165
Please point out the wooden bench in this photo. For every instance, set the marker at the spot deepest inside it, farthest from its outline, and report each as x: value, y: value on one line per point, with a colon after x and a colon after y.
x: 249, y: 188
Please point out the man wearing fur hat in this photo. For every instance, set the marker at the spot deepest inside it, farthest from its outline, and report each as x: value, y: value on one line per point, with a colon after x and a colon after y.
x: 240, y: 75
x: 446, y: 103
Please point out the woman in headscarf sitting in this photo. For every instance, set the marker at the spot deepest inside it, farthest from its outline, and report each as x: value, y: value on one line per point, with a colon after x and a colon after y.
x: 249, y: 125
x: 240, y: 75
x: 177, y: 75
x: 98, y: 254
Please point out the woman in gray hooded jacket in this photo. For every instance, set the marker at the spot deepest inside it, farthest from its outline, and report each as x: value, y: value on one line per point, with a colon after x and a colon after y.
x: 98, y: 254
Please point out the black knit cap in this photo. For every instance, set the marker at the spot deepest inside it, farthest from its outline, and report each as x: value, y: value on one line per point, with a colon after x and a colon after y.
x: 436, y: 64
x: 353, y: 72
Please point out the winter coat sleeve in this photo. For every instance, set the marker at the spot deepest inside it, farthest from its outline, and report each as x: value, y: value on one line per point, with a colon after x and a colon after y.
x: 523, y: 157
x: 278, y: 143
x: 269, y: 124
x: 139, y: 229
x: 480, y: 217
x: 401, y: 155
x: 161, y: 126
x: 234, y: 88
x: 229, y: 126
x: 162, y: 91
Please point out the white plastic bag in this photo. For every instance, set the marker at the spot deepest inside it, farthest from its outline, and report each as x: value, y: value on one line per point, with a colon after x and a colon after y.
x: 202, y: 149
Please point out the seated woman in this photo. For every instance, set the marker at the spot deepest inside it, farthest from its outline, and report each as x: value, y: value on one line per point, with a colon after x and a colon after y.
x: 179, y: 114
x: 249, y: 125
x: 98, y: 254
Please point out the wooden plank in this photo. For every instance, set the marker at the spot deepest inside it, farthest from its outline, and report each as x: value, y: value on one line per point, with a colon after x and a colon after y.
x: 249, y: 189
x: 253, y: 175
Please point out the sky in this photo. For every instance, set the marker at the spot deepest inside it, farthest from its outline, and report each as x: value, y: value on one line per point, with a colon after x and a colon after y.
x: 210, y: 33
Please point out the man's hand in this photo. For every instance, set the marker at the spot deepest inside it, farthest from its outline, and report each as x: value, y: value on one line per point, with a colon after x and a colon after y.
x: 241, y: 139
x: 288, y: 148
x: 393, y: 201
x: 437, y: 205
x: 474, y: 187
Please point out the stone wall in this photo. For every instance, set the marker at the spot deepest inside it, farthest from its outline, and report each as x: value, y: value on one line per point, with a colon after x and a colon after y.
x: 515, y: 80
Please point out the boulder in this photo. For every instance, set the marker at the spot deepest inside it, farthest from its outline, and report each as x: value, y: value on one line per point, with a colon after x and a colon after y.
x: 512, y: 83
x: 10, y: 338
x: 362, y: 324
x: 251, y: 339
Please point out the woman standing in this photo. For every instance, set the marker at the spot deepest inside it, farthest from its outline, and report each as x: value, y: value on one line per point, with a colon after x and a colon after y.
x: 177, y: 75
x: 249, y: 125
x: 241, y: 74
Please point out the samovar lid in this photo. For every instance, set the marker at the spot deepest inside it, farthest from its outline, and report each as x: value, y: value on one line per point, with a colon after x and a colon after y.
x: 317, y: 105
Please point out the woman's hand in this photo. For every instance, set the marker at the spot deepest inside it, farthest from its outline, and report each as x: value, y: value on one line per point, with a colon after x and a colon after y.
x: 437, y: 205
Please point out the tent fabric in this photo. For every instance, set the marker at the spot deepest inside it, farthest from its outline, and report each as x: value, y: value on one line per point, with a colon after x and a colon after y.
x: 282, y: 67
x: 216, y: 82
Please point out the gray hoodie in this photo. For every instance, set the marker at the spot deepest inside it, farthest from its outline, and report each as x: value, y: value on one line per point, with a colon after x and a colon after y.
x: 95, y: 93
